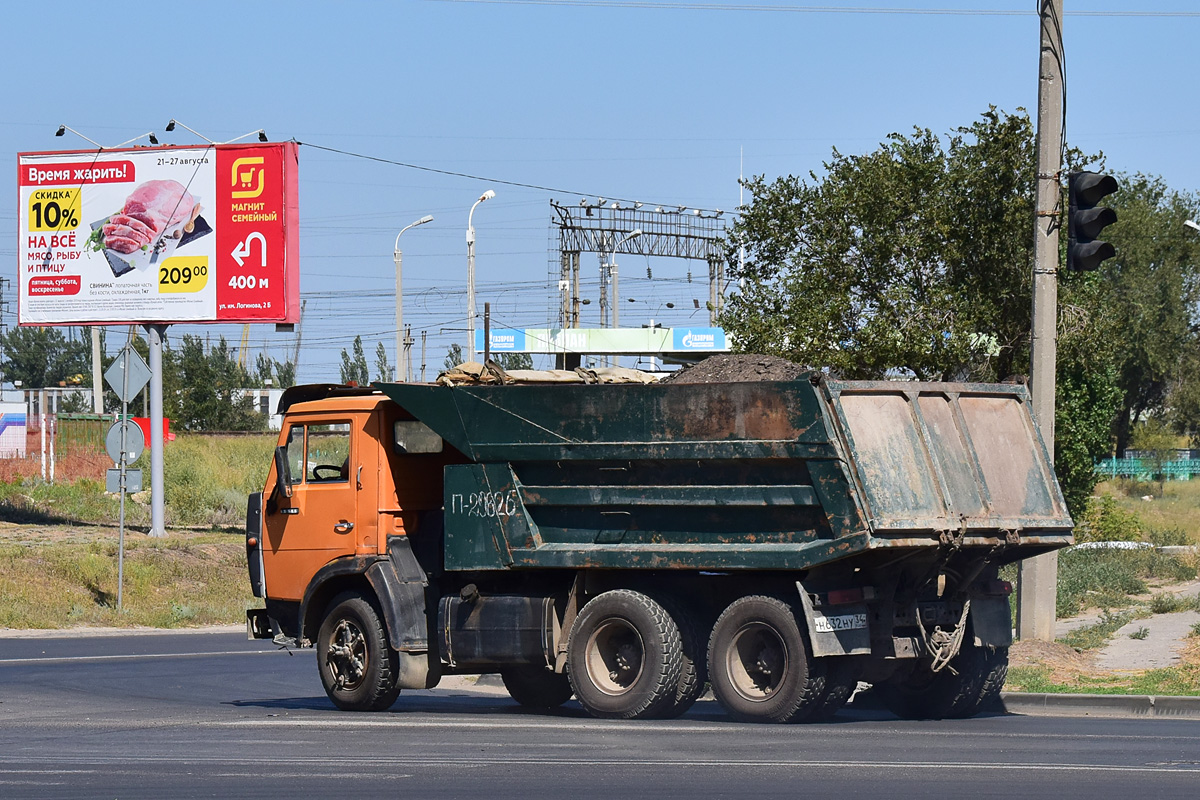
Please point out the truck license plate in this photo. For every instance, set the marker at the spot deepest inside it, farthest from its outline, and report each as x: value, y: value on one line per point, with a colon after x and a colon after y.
x: 846, y: 622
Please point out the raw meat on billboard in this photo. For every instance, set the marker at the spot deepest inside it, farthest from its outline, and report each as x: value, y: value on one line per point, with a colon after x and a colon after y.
x: 155, y: 219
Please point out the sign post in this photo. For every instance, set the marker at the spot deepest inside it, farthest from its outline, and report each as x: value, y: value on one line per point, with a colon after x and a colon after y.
x: 121, y: 377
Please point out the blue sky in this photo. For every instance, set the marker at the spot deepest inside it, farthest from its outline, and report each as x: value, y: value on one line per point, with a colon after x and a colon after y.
x: 649, y: 101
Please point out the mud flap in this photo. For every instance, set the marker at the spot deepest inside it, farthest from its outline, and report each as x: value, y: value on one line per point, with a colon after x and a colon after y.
x: 991, y: 621
x: 400, y: 584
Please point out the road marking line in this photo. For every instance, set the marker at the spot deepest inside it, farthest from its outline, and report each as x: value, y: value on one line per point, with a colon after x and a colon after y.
x: 419, y: 761
x: 121, y: 656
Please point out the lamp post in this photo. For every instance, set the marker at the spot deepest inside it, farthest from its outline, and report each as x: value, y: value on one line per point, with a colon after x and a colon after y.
x: 652, y: 325
x: 488, y: 195
x: 401, y: 358
x: 612, y: 267
x: 1191, y: 224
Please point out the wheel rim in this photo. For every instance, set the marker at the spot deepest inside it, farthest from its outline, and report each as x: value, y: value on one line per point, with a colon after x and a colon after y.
x: 757, y: 661
x: 347, y: 656
x: 615, y: 655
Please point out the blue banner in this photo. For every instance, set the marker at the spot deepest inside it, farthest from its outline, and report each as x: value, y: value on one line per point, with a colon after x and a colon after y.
x: 504, y: 340
x: 698, y: 338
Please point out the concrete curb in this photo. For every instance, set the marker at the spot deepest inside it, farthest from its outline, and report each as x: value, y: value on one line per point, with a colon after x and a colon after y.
x: 1099, y: 705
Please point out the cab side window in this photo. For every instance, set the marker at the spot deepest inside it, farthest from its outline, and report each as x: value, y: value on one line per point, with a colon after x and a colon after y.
x: 328, y: 456
x: 295, y: 452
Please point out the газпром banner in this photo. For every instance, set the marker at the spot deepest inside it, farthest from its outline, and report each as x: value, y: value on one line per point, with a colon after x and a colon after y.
x: 159, y: 234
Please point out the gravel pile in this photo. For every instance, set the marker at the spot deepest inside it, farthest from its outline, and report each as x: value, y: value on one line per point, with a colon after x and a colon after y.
x: 737, y: 369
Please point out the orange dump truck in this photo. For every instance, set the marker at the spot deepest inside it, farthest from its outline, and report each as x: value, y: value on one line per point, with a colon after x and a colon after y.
x: 629, y: 544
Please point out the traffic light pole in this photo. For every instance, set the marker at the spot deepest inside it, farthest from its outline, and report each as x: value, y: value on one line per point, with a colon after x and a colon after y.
x: 1037, y: 587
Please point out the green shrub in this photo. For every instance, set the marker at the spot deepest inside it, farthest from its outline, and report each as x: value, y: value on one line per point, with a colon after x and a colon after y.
x: 1105, y: 521
x: 1167, y: 537
x: 1104, y: 578
x: 1164, y: 603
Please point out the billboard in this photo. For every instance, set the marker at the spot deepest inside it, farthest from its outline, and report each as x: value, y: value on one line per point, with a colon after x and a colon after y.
x: 159, y: 234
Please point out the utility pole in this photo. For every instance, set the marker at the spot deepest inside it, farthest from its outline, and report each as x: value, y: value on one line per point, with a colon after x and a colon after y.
x: 1038, y: 582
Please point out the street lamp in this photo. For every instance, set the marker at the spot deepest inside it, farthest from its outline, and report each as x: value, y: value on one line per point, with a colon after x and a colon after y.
x: 402, y: 371
x: 1191, y: 224
x: 488, y: 195
x: 612, y: 268
x: 653, y: 324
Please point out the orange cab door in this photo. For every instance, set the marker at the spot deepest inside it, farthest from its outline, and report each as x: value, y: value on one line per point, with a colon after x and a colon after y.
x: 317, y: 523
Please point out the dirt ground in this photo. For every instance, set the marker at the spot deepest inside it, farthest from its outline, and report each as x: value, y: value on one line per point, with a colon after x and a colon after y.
x: 737, y: 369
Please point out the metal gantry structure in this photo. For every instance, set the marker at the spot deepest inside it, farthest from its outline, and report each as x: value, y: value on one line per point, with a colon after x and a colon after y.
x: 594, y: 226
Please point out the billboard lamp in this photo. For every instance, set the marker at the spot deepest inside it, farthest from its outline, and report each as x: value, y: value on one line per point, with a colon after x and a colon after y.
x: 171, y: 126
x: 262, y: 134
x: 63, y: 129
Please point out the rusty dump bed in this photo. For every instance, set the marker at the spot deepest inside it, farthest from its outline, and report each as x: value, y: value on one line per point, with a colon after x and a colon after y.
x: 756, y: 475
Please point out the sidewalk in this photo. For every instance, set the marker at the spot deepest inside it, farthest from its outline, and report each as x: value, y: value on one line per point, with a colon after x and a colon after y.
x: 1161, y: 646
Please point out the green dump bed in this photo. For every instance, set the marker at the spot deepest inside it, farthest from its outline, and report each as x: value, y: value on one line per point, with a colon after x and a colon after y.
x: 756, y: 475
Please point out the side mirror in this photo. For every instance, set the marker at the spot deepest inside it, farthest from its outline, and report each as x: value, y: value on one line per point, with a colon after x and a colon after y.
x: 283, y: 473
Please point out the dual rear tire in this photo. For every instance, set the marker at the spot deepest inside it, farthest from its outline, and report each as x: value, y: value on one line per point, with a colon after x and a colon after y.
x: 760, y: 665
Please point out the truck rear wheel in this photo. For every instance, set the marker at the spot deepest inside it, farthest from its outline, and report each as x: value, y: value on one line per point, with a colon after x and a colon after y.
x: 693, y: 642
x: 624, y: 656
x: 358, y: 667
x: 841, y: 679
x: 760, y: 668
x: 973, y: 678
x: 534, y: 686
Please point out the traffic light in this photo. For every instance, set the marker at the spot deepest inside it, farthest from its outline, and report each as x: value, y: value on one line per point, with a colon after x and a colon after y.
x: 1085, y: 219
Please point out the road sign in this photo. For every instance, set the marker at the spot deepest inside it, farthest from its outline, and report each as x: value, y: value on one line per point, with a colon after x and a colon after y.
x: 133, y: 481
x: 139, y: 375
x: 135, y: 441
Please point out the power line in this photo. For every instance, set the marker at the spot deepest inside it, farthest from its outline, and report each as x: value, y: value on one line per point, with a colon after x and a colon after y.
x: 469, y: 176
x: 944, y: 12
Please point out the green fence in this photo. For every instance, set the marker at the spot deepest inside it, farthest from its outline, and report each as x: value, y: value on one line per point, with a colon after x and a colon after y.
x: 1145, y: 469
x: 81, y: 432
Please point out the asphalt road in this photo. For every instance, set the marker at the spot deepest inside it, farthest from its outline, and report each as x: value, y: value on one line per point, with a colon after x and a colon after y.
x: 212, y: 715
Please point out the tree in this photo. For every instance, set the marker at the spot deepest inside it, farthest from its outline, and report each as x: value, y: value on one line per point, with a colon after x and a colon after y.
x: 1156, y: 445
x: 285, y: 374
x: 200, y: 389
x: 914, y: 257
x: 916, y: 260
x: 281, y: 374
x: 1153, y: 290
x: 454, y: 356
x: 354, y: 368
x: 40, y: 357
x: 507, y: 361
x: 382, y: 368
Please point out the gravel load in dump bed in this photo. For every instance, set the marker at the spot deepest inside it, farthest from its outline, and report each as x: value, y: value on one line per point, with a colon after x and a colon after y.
x: 738, y: 368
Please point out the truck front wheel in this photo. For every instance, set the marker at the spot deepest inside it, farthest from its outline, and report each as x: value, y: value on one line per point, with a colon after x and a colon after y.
x: 358, y: 667
x: 625, y: 656
x: 759, y: 665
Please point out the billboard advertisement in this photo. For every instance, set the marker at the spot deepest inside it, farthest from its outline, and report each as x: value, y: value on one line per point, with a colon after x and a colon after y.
x: 159, y: 234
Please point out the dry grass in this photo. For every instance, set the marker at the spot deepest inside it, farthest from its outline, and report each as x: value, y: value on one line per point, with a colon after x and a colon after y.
x: 1060, y: 669
x: 59, y: 576
x: 1178, y: 510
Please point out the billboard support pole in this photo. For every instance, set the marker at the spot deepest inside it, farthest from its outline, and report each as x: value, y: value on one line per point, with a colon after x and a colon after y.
x: 97, y: 385
x: 157, y: 525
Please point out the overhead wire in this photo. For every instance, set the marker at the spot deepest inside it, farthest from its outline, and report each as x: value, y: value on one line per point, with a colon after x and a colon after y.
x: 659, y: 5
